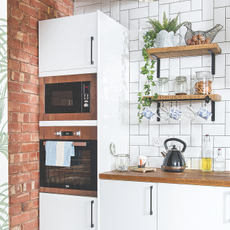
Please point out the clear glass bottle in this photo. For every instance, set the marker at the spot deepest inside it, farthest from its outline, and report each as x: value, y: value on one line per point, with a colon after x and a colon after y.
x: 181, y: 85
x: 219, y: 164
x: 207, y: 154
x: 203, y: 83
x: 163, y: 86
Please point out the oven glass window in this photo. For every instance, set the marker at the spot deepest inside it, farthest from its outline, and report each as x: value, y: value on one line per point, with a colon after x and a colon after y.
x: 81, y: 175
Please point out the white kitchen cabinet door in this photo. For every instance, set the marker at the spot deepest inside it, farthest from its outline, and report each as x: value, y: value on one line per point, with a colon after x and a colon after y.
x: 193, y: 207
x: 59, y: 212
x: 126, y: 205
x: 65, y: 45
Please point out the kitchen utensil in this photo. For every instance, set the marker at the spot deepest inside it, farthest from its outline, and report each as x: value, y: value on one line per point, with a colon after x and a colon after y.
x: 173, y: 160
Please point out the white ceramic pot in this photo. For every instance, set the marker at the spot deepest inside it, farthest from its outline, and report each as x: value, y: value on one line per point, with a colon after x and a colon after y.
x: 164, y: 39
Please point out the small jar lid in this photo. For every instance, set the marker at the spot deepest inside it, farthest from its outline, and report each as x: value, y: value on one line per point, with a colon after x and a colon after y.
x: 181, y: 78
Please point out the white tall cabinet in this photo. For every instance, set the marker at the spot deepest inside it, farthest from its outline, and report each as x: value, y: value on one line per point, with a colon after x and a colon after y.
x: 81, y: 44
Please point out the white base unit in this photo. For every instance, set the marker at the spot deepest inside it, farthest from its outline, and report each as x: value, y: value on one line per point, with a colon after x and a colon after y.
x: 193, y: 207
x: 128, y: 205
x: 59, y: 212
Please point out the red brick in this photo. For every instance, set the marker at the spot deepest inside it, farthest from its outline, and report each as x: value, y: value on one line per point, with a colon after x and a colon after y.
x: 52, y: 12
x: 30, y: 225
x: 14, y: 148
x: 35, y: 184
x: 24, y: 217
x: 27, y: 186
x: 34, y: 22
x: 16, y: 76
x: 33, y: 41
x: 70, y: 12
x: 20, y: 56
x: 29, y: 128
x: 18, y: 35
x: 14, y: 106
x: 21, y: 178
x: 26, y: 19
x: 34, y: 194
x: 34, y: 214
x: 14, y: 127
x: 27, y: 118
x: 29, y: 69
x: 34, y: 156
x: 30, y: 49
x: 61, y: 8
x: 13, y: 3
x: 20, y: 137
x: 34, y: 60
x: 34, y: 137
x: 48, y: 2
x: 29, y: 108
x: 34, y: 118
x: 69, y: 3
x: 13, y: 44
x: 32, y: 166
x: 27, y: 9
x: 12, y: 22
x: 33, y: 99
x: 14, y: 169
x: 15, y: 210
x: 17, y: 199
x: 29, y: 30
x: 17, y: 117
x: 19, y: 97
x: 19, y: 158
x: 42, y: 16
x: 34, y: 175
x: 14, y: 65
x: 15, y: 189
x: 28, y: 88
x: 14, y: 86
x: 28, y: 206
x: 39, y: 5
x: 29, y: 147
x: 16, y: 14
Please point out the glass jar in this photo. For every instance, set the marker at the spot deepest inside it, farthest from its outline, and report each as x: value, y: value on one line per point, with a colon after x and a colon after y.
x: 203, y: 83
x: 207, y: 154
x: 122, y: 162
x: 163, y: 86
x: 181, y: 85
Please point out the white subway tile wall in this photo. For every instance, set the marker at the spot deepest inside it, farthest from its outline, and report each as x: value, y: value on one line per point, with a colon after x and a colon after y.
x: 204, y: 14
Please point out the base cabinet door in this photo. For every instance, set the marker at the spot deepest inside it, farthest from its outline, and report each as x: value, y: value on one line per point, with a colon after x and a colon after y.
x: 59, y: 212
x: 127, y: 205
x: 192, y: 207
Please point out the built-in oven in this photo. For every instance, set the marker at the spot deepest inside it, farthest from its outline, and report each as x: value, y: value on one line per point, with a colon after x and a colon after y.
x: 68, y: 97
x: 79, y: 175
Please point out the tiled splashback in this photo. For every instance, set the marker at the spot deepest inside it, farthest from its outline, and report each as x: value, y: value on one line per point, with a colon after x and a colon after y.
x: 203, y: 14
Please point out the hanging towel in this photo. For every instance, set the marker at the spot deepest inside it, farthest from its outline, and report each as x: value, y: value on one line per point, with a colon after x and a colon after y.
x: 58, y: 153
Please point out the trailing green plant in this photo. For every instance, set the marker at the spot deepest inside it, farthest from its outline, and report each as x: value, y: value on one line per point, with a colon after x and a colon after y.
x: 147, y: 69
x: 4, y: 218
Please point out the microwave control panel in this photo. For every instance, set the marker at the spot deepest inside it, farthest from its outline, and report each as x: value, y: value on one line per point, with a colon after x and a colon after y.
x: 86, y: 97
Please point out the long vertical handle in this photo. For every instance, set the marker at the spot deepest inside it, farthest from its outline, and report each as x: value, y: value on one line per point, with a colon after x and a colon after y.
x: 92, y: 38
x: 92, y: 225
x: 151, y: 199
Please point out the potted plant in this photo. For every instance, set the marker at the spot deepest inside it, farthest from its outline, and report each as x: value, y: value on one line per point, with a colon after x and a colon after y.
x: 147, y: 70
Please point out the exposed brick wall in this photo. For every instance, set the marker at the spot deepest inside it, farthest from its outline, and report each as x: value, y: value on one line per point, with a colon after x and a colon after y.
x: 23, y: 107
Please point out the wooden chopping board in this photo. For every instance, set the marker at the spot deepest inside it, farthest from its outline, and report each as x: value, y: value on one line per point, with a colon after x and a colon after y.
x: 142, y: 170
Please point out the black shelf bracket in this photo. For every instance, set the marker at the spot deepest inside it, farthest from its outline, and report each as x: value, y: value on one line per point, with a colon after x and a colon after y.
x: 213, y: 56
x: 207, y: 99
x: 158, y: 65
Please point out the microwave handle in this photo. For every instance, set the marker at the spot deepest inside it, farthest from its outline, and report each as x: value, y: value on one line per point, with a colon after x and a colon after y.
x: 74, y: 143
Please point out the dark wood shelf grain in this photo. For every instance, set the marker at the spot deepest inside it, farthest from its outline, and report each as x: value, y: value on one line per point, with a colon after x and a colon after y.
x: 188, y: 176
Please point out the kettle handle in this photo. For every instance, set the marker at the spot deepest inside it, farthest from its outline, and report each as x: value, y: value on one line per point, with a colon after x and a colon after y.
x: 175, y: 139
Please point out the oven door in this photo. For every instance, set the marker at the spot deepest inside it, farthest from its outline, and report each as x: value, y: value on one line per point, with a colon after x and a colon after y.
x: 82, y: 173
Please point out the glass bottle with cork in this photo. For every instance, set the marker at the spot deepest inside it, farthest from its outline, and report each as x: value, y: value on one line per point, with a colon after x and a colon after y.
x: 219, y: 164
x: 207, y: 154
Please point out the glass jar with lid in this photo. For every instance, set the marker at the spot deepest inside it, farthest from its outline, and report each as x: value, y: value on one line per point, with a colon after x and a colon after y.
x: 163, y: 86
x: 181, y: 85
x: 122, y: 162
x: 203, y: 83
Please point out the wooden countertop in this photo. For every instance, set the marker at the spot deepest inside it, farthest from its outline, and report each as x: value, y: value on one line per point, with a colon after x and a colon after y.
x: 188, y: 176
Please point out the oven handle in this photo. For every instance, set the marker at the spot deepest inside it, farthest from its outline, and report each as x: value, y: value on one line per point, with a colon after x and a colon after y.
x: 74, y: 143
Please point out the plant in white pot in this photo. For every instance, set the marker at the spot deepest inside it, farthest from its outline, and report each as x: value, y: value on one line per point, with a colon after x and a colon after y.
x: 147, y: 70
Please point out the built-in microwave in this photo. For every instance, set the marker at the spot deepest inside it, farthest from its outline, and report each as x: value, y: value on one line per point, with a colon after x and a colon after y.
x: 68, y: 98
x: 80, y: 176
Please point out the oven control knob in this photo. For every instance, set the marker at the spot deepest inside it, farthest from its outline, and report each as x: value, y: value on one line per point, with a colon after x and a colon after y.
x: 78, y: 133
x: 58, y: 133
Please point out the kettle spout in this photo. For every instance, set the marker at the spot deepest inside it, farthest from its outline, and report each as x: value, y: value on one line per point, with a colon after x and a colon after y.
x: 163, y: 154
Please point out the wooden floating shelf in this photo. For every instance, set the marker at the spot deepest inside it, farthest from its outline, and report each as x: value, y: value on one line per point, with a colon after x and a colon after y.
x: 213, y: 97
x: 184, y: 51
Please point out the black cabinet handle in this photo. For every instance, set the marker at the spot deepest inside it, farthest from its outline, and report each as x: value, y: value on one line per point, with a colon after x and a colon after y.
x: 92, y: 225
x: 151, y: 198
x: 92, y: 62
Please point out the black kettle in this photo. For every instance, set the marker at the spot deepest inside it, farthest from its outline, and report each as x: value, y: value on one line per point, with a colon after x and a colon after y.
x: 173, y: 160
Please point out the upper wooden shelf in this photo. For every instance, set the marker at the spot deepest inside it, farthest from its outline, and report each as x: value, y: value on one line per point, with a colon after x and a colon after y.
x: 213, y: 97
x: 184, y: 51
